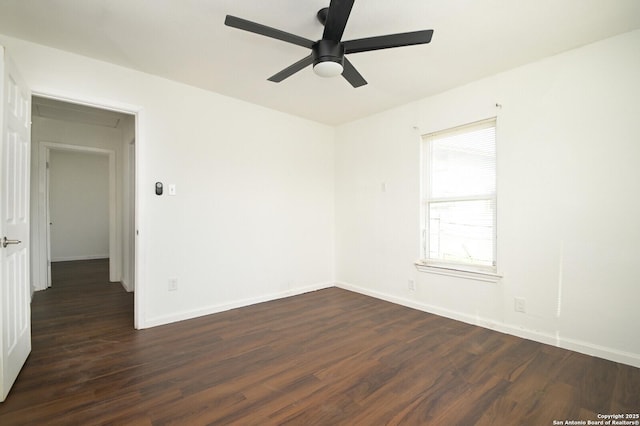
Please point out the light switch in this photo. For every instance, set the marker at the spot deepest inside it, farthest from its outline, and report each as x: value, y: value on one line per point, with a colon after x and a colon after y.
x: 172, y: 189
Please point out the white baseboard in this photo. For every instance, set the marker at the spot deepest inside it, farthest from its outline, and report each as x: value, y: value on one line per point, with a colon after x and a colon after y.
x: 583, y: 347
x: 71, y: 258
x: 127, y: 287
x: 214, y: 309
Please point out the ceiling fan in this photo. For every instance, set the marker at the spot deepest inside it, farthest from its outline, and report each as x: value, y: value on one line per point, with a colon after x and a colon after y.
x: 328, y: 54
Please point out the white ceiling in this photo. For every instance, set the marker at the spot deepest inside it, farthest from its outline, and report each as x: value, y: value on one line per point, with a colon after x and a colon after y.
x: 187, y: 41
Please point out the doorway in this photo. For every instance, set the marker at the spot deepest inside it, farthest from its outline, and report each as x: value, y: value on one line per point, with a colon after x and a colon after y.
x: 62, y: 133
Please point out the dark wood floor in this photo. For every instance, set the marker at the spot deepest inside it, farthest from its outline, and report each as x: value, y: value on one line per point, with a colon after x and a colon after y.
x: 329, y: 357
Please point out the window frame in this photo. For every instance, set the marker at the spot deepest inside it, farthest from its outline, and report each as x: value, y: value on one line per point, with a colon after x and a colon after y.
x: 449, y: 267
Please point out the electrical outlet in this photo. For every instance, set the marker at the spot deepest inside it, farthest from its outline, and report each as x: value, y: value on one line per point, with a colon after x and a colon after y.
x: 173, y: 284
x: 520, y: 305
x: 412, y: 285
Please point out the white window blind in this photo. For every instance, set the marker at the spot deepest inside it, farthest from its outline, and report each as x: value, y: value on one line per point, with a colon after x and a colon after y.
x: 460, y: 197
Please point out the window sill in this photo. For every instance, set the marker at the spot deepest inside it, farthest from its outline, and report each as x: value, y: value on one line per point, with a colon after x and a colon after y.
x: 459, y: 273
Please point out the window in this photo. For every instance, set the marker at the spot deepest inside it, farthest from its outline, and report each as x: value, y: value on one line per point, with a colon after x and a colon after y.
x: 459, y: 201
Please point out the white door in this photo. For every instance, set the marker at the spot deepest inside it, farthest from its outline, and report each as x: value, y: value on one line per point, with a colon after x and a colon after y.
x: 15, y: 295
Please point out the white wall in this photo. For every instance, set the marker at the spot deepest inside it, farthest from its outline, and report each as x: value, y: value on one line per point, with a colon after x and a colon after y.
x: 568, y: 207
x: 253, y: 215
x: 79, y: 205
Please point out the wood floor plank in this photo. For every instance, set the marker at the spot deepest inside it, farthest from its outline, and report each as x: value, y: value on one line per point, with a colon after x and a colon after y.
x: 329, y: 357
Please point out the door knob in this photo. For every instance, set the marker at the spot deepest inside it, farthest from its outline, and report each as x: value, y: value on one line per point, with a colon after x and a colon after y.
x: 6, y: 242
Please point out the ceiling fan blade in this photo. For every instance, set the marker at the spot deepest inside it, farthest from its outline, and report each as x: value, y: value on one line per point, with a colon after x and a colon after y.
x: 339, y: 11
x: 292, y: 69
x: 351, y: 74
x: 387, y: 41
x: 243, y: 24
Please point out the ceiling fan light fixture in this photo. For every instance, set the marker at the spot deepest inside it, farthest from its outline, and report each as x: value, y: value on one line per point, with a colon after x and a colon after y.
x: 328, y: 69
x: 328, y: 58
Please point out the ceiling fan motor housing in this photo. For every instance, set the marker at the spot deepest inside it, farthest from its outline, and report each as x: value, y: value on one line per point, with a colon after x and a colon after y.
x: 328, y: 50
